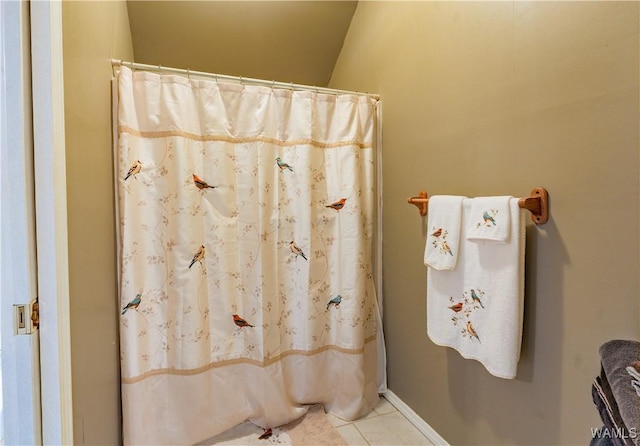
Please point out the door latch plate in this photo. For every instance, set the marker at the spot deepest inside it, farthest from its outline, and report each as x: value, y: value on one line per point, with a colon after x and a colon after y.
x: 26, y: 318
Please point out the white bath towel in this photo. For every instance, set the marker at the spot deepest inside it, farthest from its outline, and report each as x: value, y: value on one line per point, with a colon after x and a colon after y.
x: 489, y: 219
x: 477, y: 308
x: 443, y: 231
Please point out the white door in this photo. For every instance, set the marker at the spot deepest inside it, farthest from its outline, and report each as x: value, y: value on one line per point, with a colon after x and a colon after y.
x: 20, y: 409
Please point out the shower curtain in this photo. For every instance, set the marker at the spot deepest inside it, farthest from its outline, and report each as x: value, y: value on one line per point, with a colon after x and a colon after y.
x: 245, y: 255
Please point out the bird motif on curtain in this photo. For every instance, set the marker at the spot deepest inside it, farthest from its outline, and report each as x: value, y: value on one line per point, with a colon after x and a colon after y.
x: 338, y: 204
x: 266, y: 434
x: 297, y: 250
x: 282, y: 165
x: 198, y: 256
x: 335, y: 301
x: 134, y: 170
x: 200, y: 183
x: 134, y: 304
x: 240, y: 322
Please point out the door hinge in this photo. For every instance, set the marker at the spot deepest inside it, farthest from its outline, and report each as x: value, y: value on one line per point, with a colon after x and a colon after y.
x: 26, y: 317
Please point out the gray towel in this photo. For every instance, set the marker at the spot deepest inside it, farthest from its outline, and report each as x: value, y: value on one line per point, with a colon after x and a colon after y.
x: 616, y: 356
x: 614, y: 428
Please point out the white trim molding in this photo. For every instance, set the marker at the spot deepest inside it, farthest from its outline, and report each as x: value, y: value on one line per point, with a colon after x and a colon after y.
x: 51, y: 221
x: 426, y: 430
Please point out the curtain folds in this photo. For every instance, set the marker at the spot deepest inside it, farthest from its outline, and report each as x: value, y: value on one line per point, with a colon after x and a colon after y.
x: 245, y: 248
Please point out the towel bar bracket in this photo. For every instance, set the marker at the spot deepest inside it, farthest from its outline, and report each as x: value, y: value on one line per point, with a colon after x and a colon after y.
x: 420, y: 202
x: 537, y: 203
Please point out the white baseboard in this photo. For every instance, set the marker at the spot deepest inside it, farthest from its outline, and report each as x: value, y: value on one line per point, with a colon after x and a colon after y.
x: 415, y: 419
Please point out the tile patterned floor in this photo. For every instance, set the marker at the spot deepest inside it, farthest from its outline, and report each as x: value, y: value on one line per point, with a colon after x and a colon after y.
x: 384, y: 426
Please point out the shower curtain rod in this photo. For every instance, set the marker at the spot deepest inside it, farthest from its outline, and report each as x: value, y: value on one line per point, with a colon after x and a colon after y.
x: 240, y: 79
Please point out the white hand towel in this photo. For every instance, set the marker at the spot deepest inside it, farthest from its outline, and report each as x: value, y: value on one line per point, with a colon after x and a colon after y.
x: 477, y: 308
x: 489, y: 219
x: 443, y: 232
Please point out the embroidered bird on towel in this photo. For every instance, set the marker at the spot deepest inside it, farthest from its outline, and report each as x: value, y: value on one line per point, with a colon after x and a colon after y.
x: 335, y: 301
x: 437, y: 233
x: 475, y: 298
x: 282, y: 165
x: 337, y: 205
x: 135, y: 303
x: 240, y: 322
x: 488, y: 218
x: 457, y: 307
x: 297, y: 250
x: 471, y: 331
x: 198, y: 256
x: 200, y: 183
x: 446, y: 247
x: 134, y: 170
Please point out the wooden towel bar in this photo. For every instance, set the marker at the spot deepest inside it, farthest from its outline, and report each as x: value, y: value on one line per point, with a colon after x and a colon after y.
x: 537, y: 203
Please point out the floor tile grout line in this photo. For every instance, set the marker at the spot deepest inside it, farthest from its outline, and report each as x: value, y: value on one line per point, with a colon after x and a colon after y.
x: 395, y: 411
x: 359, y: 433
x: 362, y: 435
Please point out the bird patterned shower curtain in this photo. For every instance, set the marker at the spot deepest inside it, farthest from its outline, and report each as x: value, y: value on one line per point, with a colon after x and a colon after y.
x: 245, y: 219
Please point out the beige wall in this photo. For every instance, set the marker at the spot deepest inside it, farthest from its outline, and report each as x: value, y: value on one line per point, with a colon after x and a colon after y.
x: 479, y: 98
x: 497, y: 98
x: 93, y: 33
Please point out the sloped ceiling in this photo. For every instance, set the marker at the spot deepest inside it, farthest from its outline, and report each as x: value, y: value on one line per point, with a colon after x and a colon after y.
x: 287, y: 41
